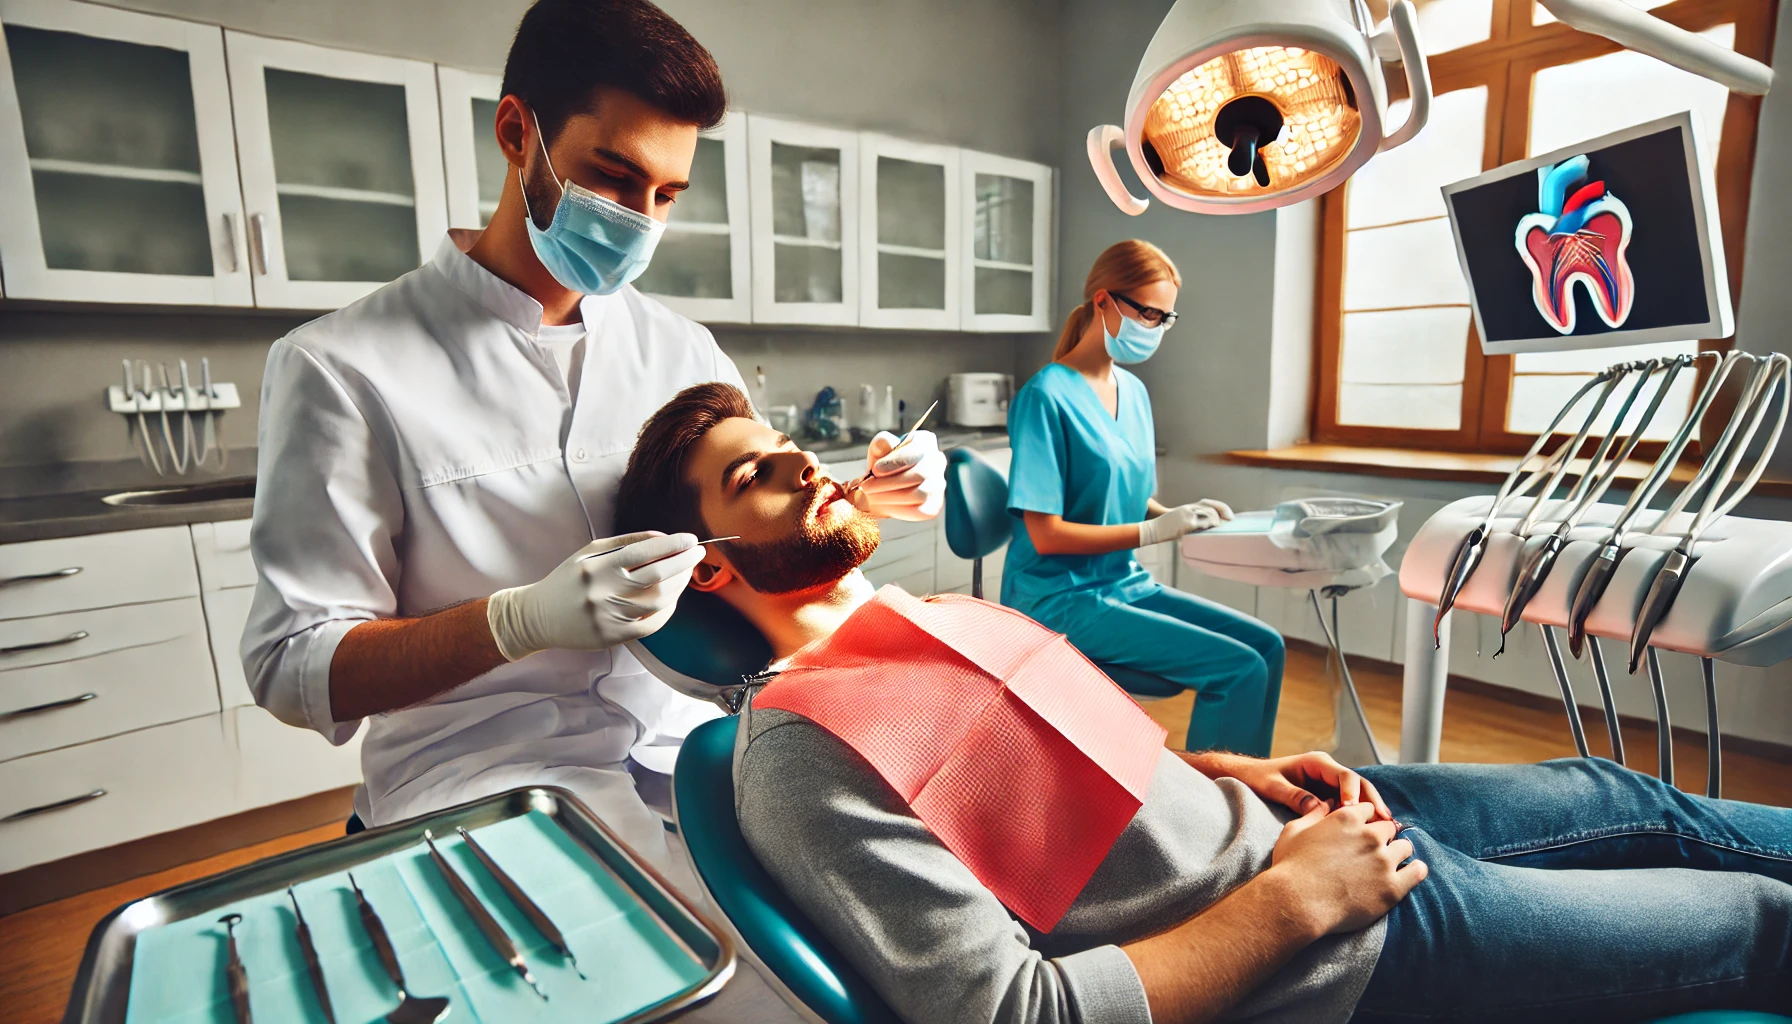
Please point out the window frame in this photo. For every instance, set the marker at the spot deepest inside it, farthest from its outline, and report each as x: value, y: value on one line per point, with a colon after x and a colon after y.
x: 1506, y: 63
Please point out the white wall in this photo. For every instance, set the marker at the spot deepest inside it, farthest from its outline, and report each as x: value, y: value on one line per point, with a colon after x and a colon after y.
x: 1765, y: 308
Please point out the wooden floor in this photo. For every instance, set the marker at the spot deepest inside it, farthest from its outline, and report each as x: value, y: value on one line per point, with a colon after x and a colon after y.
x: 40, y: 948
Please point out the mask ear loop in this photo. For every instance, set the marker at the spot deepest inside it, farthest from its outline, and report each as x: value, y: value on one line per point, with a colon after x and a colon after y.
x: 542, y: 144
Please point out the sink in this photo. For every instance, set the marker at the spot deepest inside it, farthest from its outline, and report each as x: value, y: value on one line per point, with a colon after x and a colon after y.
x: 189, y: 494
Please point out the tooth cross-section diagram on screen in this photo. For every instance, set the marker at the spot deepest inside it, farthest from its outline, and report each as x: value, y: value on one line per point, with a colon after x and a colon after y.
x: 1579, y: 233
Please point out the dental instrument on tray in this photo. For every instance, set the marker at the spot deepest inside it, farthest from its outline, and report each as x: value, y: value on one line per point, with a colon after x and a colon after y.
x: 1474, y: 546
x: 860, y: 482
x: 1597, y: 479
x: 488, y: 925
x: 139, y: 395
x: 411, y: 1009
x: 313, y: 966
x: 529, y: 907
x: 235, y: 972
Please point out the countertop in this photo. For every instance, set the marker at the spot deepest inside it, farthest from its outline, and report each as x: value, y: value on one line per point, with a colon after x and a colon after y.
x: 78, y: 513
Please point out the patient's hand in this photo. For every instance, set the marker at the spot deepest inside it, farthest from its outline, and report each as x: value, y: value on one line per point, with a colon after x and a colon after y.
x: 1299, y: 783
x: 1348, y: 871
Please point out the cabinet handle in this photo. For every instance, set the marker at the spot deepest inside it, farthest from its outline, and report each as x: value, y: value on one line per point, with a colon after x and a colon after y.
x: 79, y: 634
x: 67, y: 702
x: 230, y: 248
x: 258, y: 246
x: 32, y: 812
x: 36, y: 576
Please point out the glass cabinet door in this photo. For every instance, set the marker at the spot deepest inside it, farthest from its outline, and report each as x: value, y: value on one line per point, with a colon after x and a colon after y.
x: 805, y: 192
x: 909, y: 229
x: 1008, y: 269
x: 118, y: 174
x: 475, y: 166
x: 703, y: 266
x: 341, y: 165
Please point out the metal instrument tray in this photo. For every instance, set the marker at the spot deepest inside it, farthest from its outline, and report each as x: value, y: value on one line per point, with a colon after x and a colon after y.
x: 103, y: 984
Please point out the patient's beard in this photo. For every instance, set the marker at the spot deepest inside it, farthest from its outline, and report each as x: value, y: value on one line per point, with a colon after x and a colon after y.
x: 814, y: 555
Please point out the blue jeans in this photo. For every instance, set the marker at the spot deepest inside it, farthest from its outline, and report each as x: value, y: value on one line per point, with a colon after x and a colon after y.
x: 1577, y: 890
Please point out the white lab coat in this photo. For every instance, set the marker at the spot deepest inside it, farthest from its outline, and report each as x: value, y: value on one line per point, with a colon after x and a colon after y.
x: 418, y: 449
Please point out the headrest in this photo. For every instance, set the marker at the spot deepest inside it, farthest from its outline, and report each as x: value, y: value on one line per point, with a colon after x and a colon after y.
x: 705, y: 650
x: 977, y: 520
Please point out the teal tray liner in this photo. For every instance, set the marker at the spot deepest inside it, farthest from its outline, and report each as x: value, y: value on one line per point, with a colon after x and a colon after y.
x: 178, y: 974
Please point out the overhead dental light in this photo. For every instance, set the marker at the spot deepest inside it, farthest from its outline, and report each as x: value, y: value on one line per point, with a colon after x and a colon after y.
x: 1245, y: 105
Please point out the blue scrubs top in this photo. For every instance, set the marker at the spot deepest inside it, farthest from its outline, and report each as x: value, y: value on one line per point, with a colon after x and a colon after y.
x: 1073, y: 459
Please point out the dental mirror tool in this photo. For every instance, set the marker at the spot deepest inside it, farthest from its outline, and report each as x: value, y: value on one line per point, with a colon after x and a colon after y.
x: 236, y: 973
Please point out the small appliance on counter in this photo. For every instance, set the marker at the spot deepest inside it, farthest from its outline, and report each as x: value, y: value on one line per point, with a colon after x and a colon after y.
x: 978, y: 399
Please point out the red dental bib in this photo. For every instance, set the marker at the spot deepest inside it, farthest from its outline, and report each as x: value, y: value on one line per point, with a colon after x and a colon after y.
x: 1010, y: 746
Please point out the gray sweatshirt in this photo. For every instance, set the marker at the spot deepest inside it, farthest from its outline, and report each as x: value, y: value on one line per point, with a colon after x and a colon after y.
x: 941, y: 948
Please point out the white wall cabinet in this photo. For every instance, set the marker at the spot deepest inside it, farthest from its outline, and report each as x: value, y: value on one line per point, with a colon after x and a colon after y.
x: 911, y: 218
x: 474, y: 166
x: 703, y: 267
x: 1008, y: 243
x: 341, y: 157
x: 118, y: 165
x: 804, y: 183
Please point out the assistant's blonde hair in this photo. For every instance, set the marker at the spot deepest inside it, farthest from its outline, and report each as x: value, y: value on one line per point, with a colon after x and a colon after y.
x: 1121, y: 267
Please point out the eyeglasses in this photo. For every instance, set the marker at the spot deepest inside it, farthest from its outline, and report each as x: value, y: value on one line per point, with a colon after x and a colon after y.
x: 1150, y: 315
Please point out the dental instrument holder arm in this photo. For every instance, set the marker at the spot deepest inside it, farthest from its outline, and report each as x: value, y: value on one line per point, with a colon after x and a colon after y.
x: 1768, y: 378
x: 1469, y: 552
x: 1594, y: 581
x: 1599, y: 474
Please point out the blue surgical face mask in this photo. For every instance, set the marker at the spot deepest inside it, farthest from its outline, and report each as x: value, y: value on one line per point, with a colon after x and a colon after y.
x: 1135, y: 343
x: 593, y: 245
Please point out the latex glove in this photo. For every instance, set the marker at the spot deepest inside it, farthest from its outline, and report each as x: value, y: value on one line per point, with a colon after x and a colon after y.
x: 589, y: 603
x: 1196, y: 515
x: 908, y: 483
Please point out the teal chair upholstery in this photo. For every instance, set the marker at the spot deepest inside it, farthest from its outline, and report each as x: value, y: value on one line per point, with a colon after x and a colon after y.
x: 978, y: 524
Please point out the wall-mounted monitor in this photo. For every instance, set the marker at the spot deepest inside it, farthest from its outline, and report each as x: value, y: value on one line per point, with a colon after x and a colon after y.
x: 1614, y: 241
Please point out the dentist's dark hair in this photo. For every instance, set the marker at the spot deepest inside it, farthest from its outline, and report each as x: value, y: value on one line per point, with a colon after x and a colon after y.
x: 654, y: 494
x: 566, y: 49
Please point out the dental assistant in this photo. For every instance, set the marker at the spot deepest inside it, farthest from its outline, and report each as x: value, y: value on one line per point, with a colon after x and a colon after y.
x: 1080, y: 488
x: 438, y: 461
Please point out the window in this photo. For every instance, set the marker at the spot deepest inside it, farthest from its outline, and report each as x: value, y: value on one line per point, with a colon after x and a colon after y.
x: 1398, y: 360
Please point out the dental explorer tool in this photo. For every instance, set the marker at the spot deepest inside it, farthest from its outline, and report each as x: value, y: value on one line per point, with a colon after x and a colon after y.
x: 1599, y: 571
x: 860, y: 482
x: 308, y: 950
x: 488, y: 925
x: 236, y: 973
x: 1770, y: 376
x: 1473, y: 546
x: 529, y: 907
x: 411, y: 1009
x: 1600, y: 473
x: 712, y: 540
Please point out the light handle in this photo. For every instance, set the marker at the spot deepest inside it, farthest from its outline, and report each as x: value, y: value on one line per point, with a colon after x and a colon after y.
x: 1102, y: 140
x: 1645, y: 33
x: 1403, y: 21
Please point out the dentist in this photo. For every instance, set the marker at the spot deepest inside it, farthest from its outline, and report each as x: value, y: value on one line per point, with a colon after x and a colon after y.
x: 438, y: 461
x: 1081, y: 488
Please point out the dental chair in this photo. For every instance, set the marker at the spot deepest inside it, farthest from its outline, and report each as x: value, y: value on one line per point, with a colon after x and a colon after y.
x: 978, y: 524
x: 709, y: 649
